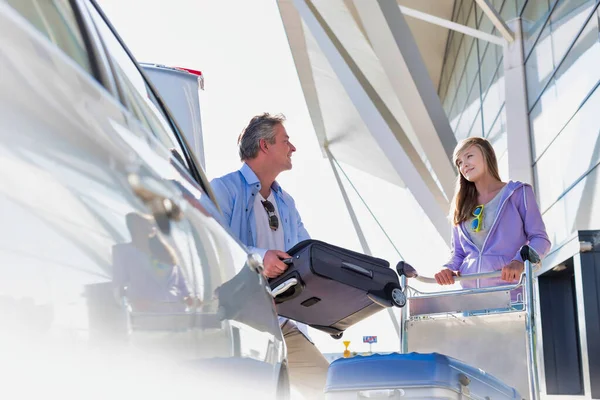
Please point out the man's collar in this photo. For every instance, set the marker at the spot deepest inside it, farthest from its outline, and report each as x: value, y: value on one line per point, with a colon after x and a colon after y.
x: 249, y: 175
x: 252, y: 179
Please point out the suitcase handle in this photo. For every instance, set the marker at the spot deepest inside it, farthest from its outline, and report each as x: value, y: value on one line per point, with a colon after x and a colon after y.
x: 284, y: 286
x: 357, y: 269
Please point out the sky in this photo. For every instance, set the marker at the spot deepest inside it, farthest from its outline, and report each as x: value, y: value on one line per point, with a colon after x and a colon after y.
x: 242, y: 50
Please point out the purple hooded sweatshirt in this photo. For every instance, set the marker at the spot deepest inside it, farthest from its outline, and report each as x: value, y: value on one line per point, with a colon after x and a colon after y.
x: 518, y: 222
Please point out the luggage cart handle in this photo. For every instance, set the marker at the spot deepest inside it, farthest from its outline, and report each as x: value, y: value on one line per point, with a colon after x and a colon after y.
x: 458, y: 278
x: 527, y: 252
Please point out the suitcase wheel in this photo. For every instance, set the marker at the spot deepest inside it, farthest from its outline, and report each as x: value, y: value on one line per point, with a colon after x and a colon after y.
x: 337, y: 336
x: 397, y: 296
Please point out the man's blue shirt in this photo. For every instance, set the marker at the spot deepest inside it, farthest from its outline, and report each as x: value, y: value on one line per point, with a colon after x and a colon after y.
x: 235, y: 193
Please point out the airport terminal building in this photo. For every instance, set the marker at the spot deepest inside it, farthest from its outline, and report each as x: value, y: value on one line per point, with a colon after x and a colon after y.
x: 392, y: 86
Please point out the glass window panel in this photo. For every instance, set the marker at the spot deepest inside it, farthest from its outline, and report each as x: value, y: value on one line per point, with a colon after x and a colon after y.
x: 470, y: 111
x: 442, y: 89
x: 459, y: 14
x: 472, y: 65
x: 541, y: 120
x: 450, y: 94
x: 498, y: 138
x: 520, y: 6
x: 496, y: 127
x: 485, y: 24
x: 538, y: 68
x: 447, y: 104
x: 455, y: 74
x: 461, y: 98
x: 565, y: 22
x: 477, y: 127
x: 455, y: 10
x: 493, y: 100
x: 533, y: 19
x: 465, y: 8
x: 454, y: 47
x: 491, y: 58
x: 454, y: 120
x: 577, y: 210
x: 509, y: 10
x: 463, y: 54
x: 572, y: 153
x: 448, y: 65
x: 503, y: 166
x: 575, y: 78
x: 480, y: 15
x: 472, y: 17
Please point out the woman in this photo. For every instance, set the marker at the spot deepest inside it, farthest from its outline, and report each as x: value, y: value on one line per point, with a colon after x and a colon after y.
x: 492, y: 219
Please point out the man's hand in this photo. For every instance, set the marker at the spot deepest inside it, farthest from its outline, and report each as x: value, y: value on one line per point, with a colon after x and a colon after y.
x: 273, y: 264
x: 445, y: 277
x: 512, y: 271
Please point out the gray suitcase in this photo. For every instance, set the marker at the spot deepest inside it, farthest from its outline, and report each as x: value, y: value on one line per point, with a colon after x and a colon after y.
x: 331, y: 288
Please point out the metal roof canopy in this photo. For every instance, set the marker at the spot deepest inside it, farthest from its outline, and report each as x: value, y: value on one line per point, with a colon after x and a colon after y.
x: 369, y: 77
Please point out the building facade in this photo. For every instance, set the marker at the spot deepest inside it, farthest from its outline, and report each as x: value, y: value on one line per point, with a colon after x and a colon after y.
x: 562, y: 56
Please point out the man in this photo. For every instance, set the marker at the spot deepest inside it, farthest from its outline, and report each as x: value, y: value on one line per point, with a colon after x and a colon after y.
x: 265, y: 218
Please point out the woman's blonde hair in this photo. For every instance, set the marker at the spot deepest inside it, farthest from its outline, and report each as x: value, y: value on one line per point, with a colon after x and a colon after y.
x: 465, y: 194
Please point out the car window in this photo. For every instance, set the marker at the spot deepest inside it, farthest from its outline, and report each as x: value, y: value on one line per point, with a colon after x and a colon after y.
x: 137, y: 95
x: 56, y: 20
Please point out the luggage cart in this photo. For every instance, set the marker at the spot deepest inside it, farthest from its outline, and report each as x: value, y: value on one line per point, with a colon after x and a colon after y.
x: 479, y: 326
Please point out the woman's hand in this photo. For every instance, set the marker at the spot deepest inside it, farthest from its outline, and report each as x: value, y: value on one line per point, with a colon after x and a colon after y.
x: 445, y: 277
x: 512, y: 271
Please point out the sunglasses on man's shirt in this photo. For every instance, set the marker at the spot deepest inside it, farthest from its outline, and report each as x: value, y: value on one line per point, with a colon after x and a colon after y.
x: 270, y: 209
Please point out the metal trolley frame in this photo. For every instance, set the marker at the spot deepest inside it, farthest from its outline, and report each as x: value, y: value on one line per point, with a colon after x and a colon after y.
x: 474, y: 307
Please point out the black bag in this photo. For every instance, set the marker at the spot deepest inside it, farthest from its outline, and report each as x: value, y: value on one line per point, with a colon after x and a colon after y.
x: 331, y: 288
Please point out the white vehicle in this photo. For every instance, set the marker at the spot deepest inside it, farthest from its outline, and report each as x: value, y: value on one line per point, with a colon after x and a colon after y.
x: 117, y: 279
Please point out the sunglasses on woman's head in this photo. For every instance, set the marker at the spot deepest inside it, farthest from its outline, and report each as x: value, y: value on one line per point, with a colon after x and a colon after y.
x: 478, y: 221
x: 273, y: 220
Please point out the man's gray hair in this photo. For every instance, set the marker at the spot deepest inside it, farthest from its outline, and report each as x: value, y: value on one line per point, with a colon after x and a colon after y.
x: 260, y: 127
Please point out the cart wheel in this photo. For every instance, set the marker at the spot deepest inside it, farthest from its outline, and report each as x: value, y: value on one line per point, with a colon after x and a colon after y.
x: 398, y: 297
x: 337, y: 336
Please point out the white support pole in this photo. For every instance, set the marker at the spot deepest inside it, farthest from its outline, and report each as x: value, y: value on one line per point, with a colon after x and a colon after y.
x: 380, y: 121
x: 396, y: 49
x: 444, y: 23
x: 295, y: 35
x: 496, y: 19
x: 357, y: 228
x: 517, y: 117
